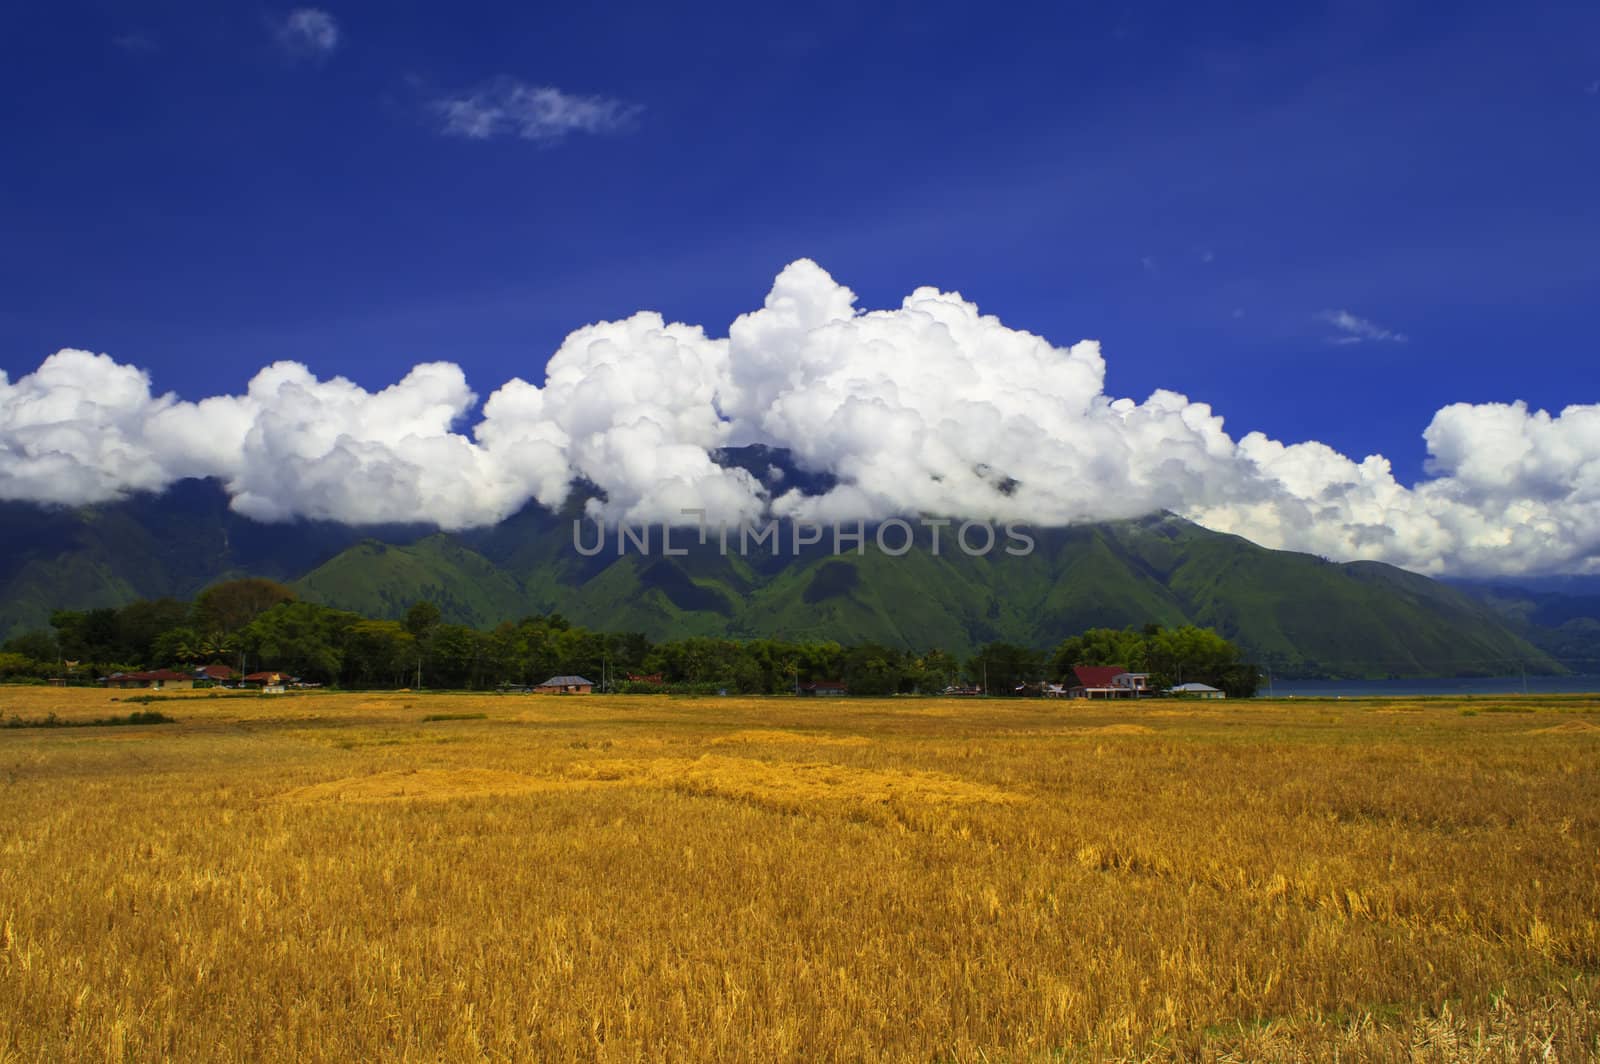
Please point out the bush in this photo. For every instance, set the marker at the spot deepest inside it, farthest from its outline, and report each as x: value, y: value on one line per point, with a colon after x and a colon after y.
x: 147, y: 716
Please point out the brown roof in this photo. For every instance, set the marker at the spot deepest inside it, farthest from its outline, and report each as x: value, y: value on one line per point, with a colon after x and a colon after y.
x: 158, y: 674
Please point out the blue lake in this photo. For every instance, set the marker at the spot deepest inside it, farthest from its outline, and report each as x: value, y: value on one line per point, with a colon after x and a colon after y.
x: 1494, y: 685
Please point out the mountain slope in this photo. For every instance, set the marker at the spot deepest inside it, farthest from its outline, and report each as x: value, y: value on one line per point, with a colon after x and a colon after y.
x: 1304, y: 614
x: 149, y: 546
x: 376, y: 579
x: 1298, y: 613
x: 1561, y: 617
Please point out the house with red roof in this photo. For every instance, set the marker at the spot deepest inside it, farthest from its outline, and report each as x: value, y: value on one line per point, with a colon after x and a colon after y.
x: 216, y: 672
x: 271, y: 683
x: 155, y: 680
x: 1108, y: 681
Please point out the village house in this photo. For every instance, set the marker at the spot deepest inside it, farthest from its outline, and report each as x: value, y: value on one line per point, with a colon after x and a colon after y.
x: 271, y: 683
x: 156, y: 680
x: 824, y: 689
x: 1099, y: 681
x: 565, y: 685
x: 1136, y: 682
x: 216, y: 672
x: 1198, y: 690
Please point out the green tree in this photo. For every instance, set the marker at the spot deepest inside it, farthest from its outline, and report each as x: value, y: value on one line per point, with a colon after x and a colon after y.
x: 227, y: 607
x: 1002, y: 667
x: 175, y: 646
x: 140, y: 624
x: 932, y: 671
x: 422, y: 618
x: 1102, y: 646
x: 455, y: 656
x: 300, y: 638
x: 37, y: 645
x: 872, y: 669
x: 13, y: 664
x: 1200, y: 655
x: 378, y: 654
x: 422, y: 621
x: 821, y: 660
x: 215, y: 646
x: 89, y: 636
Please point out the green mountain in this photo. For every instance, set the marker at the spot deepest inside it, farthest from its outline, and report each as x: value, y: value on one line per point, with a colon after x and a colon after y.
x: 1559, y: 616
x: 149, y: 546
x: 376, y: 579
x: 1297, y: 613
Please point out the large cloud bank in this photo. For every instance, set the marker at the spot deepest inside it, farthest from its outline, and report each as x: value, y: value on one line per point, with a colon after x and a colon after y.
x: 931, y: 408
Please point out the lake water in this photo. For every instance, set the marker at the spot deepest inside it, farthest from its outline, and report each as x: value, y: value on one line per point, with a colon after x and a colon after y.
x: 1495, y: 685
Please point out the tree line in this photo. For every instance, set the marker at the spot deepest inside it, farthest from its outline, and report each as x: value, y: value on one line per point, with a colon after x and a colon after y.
x: 255, y: 624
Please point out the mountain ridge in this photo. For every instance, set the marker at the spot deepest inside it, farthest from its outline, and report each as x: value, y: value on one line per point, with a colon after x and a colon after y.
x: 1293, y: 612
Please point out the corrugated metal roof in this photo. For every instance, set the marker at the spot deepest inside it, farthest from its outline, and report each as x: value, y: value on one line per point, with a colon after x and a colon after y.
x: 567, y: 681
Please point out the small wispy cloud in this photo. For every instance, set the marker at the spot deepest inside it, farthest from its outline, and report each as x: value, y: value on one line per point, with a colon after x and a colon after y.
x: 1354, y: 330
x: 135, y: 41
x: 308, y: 33
x: 507, y: 107
x: 1593, y: 88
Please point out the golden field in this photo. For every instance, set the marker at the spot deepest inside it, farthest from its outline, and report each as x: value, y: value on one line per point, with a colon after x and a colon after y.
x: 332, y: 877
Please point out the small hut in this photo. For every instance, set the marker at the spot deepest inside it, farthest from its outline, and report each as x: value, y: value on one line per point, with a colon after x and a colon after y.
x: 565, y: 685
x: 1197, y: 690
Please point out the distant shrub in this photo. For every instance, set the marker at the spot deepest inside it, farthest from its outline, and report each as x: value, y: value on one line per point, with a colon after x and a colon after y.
x: 142, y: 716
x: 454, y: 716
x: 148, y: 716
x: 52, y: 721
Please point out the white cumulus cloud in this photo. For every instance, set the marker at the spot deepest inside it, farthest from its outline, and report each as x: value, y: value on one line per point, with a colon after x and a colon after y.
x: 507, y: 107
x: 72, y: 431
x: 931, y: 407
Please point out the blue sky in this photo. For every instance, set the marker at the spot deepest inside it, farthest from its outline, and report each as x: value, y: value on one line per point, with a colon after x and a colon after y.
x: 1326, y: 221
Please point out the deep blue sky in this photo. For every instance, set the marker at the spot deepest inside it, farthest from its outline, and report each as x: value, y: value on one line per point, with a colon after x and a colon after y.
x: 1193, y: 185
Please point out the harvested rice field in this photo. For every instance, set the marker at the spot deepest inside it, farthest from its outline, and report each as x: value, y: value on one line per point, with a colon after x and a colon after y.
x: 425, y: 877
